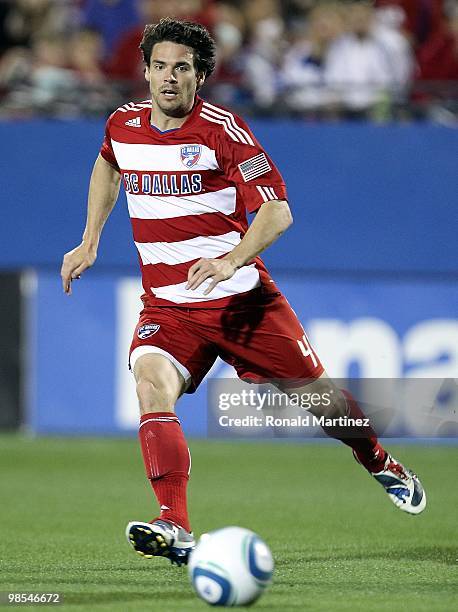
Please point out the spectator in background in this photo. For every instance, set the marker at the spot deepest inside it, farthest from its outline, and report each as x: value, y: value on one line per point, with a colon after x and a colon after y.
x: 264, y: 53
x: 389, y: 31
x: 361, y: 66
x: 86, y: 60
x: 438, y: 57
x: 38, y: 76
x: 303, y: 70
x: 51, y: 77
x: 226, y: 85
x: 86, y: 55
x: 112, y: 18
x: 420, y: 17
x: 94, y: 93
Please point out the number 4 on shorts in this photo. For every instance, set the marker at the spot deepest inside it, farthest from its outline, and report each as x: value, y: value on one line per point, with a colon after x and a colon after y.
x: 306, y: 349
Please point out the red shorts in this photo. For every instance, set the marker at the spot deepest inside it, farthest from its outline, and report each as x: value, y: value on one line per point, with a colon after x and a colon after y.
x: 262, y: 338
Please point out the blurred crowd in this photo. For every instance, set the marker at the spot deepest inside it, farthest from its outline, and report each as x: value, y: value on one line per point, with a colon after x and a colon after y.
x: 386, y: 59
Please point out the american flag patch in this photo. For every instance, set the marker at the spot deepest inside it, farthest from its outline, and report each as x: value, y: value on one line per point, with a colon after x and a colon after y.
x: 254, y: 167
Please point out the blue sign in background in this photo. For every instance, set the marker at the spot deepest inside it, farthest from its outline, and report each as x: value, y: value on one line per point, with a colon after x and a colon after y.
x: 75, y: 343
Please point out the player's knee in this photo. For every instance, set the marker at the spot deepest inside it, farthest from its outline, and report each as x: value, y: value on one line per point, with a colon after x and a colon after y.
x: 153, y: 399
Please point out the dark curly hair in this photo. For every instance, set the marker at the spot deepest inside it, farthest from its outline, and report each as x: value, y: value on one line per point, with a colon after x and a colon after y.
x: 186, y: 33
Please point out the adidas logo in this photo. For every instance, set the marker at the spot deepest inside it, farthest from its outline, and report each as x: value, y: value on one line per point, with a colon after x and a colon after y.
x: 135, y: 122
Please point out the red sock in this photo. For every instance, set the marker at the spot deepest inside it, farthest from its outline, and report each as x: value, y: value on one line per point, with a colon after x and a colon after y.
x: 167, y: 462
x: 363, y: 440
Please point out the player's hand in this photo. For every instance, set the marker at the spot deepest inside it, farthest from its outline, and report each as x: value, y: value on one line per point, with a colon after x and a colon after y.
x: 74, y: 264
x: 216, y: 269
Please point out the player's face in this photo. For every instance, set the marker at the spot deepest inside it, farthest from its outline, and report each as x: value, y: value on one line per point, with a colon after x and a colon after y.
x: 172, y: 78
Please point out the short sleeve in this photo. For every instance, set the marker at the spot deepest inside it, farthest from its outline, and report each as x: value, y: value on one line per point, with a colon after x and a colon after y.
x: 249, y: 167
x: 106, y: 150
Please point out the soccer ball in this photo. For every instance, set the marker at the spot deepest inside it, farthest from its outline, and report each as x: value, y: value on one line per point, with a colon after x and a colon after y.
x: 230, y: 567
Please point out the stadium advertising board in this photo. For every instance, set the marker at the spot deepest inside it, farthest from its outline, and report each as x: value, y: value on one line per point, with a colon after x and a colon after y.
x: 79, y: 381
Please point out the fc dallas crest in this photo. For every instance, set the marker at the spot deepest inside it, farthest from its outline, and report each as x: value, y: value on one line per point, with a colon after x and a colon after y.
x: 190, y: 155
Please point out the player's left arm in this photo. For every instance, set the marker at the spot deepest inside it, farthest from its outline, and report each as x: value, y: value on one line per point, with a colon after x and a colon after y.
x: 271, y: 220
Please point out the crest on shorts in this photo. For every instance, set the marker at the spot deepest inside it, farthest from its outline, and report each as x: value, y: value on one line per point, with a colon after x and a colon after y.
x: 145, y: 331
x: 190, y: 155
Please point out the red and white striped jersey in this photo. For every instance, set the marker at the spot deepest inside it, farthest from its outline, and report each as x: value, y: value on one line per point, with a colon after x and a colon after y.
x: 188, y: 190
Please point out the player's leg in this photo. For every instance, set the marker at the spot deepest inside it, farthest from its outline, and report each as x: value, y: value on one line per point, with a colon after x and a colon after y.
x: 167, y: 358
x: 402, y: 486
x: 166, y: 457
x: 274, y: 348
x: 338, y: 408
x: 165, y: 452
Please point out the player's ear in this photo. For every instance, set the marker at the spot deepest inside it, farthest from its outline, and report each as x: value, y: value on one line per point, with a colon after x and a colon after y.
x: 146, y: 73
x: 200, y: 79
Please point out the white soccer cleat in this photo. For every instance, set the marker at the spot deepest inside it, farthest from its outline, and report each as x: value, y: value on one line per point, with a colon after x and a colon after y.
x: 161, y: 539
x: 402, y: 486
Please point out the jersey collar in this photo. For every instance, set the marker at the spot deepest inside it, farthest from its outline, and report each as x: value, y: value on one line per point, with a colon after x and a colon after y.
x: 189, y: 120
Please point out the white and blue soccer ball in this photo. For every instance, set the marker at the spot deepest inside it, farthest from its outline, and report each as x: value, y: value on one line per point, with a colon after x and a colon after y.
x: 230, y: 567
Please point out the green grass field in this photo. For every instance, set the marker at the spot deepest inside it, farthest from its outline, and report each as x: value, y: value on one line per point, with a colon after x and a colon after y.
x: 338, y: 543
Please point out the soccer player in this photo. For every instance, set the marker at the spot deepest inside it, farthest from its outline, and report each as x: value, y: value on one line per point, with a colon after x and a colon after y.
x: 191, y: 170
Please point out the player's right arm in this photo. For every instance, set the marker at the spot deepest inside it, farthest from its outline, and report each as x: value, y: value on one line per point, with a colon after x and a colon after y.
x: 103, y: 193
